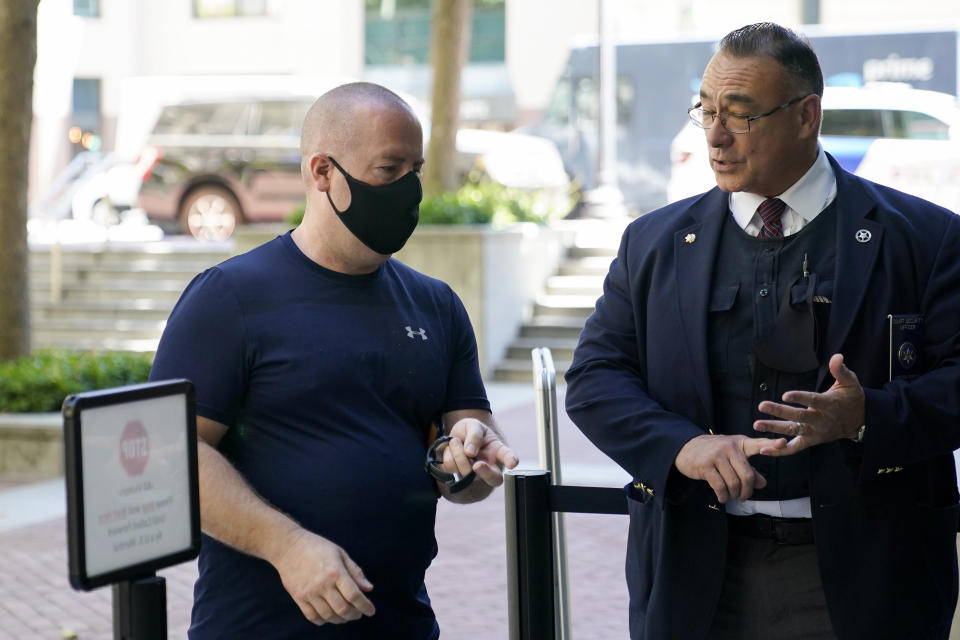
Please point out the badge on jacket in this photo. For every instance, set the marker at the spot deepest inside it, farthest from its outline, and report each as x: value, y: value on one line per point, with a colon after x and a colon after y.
x: 906, y: 336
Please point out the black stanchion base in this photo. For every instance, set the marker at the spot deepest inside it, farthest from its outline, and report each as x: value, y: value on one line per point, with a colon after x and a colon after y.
x: 140, y: 609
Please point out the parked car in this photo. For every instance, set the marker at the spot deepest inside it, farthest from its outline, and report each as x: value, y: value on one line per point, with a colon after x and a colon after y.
x: 105, y: 195
x: 210, y: 165
x: 905, y: 138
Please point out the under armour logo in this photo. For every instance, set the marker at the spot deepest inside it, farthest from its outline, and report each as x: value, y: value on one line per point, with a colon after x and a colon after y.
x: 411, y: 333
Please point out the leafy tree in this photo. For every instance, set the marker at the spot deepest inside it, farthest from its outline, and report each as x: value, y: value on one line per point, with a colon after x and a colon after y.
x: 18, y: 56
x: 449, y: 44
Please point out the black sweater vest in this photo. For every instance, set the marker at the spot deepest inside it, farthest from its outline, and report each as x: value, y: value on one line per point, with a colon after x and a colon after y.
x: 765, y: 331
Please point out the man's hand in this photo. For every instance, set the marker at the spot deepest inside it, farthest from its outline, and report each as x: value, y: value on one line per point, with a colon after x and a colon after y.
x: 836, y: 413
x: 322, y: 579
x: 476, y: 447
x: 722, y: 462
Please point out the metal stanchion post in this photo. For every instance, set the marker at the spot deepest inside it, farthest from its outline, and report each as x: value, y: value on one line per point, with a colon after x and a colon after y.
x: 140, y: 609
x: 545, y: 382
x: 529, y: 555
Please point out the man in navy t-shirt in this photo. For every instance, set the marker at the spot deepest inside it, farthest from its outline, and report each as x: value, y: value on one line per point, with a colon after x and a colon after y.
x: 319, y: 365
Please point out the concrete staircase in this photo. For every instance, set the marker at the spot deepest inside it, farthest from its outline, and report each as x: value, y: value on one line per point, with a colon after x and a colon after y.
x: 114, y: 296
x: 563, y: 307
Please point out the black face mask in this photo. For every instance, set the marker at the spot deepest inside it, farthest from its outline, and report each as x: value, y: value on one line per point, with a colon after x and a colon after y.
x: 381, y: 217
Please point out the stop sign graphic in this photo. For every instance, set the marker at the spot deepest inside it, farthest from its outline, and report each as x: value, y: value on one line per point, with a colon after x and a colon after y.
x: 134, y: 448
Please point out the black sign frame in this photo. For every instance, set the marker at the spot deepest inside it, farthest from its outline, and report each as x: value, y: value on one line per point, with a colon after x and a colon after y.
x: 73, y: 407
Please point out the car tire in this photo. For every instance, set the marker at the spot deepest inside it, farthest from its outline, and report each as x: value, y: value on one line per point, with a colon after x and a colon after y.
x: 210, y: 213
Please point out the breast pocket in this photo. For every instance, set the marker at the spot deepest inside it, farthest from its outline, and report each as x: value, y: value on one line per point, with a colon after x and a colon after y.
x: 722, y: 299
x: 822, y: 303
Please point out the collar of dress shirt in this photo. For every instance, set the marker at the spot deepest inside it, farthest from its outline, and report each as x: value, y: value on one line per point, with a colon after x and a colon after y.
x: 807, y: 197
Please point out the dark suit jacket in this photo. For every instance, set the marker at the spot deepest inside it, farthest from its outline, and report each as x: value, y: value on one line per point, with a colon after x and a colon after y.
x: 884, y: 511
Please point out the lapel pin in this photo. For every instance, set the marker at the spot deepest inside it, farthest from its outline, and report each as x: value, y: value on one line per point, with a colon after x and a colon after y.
x: 691, y: 238
x: 863, y: 235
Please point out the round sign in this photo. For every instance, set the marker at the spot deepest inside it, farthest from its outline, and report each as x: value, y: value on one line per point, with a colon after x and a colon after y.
x: 134, y: 448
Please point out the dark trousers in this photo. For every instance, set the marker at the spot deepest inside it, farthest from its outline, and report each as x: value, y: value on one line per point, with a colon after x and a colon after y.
x: 771, y: 590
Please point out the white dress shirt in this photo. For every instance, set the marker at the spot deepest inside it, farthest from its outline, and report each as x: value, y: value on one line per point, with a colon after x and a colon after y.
x: 808, y: 196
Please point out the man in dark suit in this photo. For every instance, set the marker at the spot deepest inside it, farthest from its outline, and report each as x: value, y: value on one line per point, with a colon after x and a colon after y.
x: 739, y: 365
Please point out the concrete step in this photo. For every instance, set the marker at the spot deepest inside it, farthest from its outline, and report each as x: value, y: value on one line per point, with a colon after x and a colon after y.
x: 167, y: 291
x: 104, y: 343
x: 89, y: 326
x: 560, y: 348
x: 575, y: 285
x: 100, y: 273
x: 129, y: 262
x: 608, y: 252
x: 201, y: 252
x: 577, y: 306
x: 521, y: 370
x: 552, y: 327
x: 132, y: 309
x: 592, y: 266
x: 115, y: 296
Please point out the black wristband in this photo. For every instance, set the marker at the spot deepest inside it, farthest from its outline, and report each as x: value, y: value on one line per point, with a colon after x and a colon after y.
x: 453, y: 481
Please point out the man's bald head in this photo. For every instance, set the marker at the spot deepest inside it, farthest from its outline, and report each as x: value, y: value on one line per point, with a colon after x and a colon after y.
x: 331, y: 124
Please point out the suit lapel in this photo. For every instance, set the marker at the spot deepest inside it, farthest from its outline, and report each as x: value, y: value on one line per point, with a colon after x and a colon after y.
x: 695, y: 251
x: 858, y: 244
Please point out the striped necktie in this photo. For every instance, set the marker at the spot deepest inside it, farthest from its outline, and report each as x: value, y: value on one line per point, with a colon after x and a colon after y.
x: 770, y: 211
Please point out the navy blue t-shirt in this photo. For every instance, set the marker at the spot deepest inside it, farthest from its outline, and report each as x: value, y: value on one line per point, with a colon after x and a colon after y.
x: 328, y: 384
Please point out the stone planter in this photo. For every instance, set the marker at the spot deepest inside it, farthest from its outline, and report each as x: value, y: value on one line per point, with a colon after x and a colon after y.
x: 31, y: 445
x: 496, y: 272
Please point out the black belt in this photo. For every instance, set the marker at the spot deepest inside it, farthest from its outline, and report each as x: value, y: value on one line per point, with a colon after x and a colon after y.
x: 780, y: 530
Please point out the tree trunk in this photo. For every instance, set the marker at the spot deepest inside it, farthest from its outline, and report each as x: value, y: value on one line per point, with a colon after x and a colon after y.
x: 18, y: 51
x: 449, y: 45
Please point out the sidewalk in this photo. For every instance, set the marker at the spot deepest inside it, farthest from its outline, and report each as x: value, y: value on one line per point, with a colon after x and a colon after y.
x: 467, y: 581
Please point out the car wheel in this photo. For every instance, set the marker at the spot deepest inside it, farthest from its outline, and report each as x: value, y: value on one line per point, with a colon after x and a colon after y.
x: 210, y: 213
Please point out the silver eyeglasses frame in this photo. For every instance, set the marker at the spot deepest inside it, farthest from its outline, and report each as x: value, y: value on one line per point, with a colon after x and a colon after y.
x: 697, y: 115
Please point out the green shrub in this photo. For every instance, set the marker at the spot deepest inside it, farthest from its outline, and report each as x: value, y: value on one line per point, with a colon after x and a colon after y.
x: 40, y: 382
x: 295, y: 217
x: 482, y: 201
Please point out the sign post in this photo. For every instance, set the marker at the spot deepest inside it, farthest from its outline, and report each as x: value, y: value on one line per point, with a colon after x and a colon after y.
x: 132, y: 496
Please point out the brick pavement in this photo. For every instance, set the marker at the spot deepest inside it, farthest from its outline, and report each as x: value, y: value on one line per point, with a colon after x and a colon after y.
x: 467, y: 581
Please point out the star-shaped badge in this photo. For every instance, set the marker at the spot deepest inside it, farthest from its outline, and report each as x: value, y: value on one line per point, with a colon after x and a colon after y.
x: 690, y: 238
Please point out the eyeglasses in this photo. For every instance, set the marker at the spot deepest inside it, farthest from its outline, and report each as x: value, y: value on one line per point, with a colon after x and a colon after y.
x: 732, y: 122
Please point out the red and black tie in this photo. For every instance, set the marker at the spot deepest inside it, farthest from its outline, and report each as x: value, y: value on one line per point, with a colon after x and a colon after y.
x: 770, y: 211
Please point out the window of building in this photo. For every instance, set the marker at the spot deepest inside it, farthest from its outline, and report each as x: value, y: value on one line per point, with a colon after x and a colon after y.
x: 86, y: 8
x: 85, y: 114
x: 230, y: 8
x: 86, y: 103
x: 397, y: 32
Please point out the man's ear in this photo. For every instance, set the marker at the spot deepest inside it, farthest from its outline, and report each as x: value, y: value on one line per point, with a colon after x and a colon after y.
x: 810, y: 113
x: 320, y: 170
